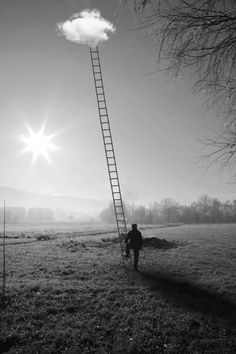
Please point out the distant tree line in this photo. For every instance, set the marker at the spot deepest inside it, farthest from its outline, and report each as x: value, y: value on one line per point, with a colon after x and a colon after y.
x: 21, y: 214
x: 205, y: 210
x: 41, y: 214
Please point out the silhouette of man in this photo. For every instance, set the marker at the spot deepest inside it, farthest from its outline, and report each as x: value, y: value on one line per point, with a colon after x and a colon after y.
x: 134, y: 241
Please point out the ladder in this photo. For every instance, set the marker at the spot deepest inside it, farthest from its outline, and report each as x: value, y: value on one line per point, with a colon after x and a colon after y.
x: 109, y: 148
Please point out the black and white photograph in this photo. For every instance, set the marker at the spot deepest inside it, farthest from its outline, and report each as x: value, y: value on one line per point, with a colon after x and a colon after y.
x: 117, y: 176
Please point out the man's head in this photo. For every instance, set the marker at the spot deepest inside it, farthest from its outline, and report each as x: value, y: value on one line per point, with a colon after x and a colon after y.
x: 134, y: 226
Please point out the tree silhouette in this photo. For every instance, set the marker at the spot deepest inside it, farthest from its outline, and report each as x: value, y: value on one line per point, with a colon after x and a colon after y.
x: 200, y: 36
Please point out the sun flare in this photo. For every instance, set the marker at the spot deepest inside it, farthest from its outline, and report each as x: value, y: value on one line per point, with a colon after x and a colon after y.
x: 38, y: 144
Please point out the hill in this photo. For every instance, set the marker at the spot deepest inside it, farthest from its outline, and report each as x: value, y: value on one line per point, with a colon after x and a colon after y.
x: 15, y: 197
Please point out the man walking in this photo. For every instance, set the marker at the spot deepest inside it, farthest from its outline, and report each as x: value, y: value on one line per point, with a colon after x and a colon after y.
x: 134, y: 241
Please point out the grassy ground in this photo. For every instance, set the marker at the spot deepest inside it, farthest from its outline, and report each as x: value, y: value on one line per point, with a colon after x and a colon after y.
x: 69, y: 292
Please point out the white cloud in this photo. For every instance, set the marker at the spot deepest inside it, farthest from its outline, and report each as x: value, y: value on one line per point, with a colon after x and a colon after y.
x: 86, y: 27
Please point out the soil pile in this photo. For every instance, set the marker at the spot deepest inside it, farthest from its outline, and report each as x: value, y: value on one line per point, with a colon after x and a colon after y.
x: 155, y: 242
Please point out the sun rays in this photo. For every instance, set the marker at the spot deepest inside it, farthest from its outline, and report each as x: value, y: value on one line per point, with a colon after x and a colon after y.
x: 39, y: 144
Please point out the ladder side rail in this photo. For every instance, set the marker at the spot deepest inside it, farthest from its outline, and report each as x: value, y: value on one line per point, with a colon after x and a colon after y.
x: 108, y: 123
x: 104, y: 108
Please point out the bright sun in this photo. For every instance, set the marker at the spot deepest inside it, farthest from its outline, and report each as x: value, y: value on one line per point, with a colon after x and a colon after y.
x: 38, y: 144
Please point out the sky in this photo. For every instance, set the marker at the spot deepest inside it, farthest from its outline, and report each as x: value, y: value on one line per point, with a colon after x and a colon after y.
x: 46, y: 81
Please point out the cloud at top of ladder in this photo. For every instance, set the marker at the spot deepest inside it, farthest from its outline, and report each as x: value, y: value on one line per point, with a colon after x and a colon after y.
x: 86, y: 27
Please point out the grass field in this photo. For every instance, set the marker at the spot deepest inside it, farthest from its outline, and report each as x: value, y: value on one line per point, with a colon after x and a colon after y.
x: 68, y: 291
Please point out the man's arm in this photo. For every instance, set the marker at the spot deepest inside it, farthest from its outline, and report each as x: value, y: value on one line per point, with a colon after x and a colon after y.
x: 127, y: 237
x: 141, y: 241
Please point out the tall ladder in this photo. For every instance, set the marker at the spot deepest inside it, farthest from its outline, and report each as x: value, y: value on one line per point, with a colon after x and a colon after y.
x: 109, y: 148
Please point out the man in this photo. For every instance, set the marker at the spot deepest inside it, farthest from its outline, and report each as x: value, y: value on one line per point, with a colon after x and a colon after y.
x: 134, y: 241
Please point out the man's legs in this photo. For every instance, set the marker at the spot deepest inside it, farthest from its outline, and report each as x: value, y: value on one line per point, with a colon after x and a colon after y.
x: 136, y: 255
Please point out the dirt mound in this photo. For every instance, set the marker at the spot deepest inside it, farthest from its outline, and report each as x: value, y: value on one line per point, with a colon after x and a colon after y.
x: 155, y: 242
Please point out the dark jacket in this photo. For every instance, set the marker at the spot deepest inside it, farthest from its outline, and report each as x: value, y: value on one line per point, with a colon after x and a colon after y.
x: 135, y: 240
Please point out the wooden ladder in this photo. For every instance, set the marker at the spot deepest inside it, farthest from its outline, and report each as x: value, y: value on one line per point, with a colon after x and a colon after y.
x: 109, y: 149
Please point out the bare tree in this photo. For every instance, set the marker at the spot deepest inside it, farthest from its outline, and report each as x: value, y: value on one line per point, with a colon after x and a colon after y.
x: 169, y: 208
x: 200, y: 36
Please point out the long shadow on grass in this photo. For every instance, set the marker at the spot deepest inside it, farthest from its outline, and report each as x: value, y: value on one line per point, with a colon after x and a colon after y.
x: 191, y: 296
